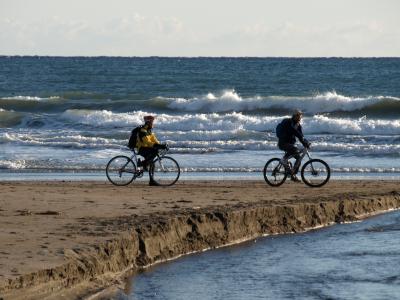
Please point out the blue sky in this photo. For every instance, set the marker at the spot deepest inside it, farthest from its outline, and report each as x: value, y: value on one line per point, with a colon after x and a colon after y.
x: 200, y: 28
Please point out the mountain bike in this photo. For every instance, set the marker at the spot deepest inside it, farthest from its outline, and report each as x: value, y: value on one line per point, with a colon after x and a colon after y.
x: 314, y: 173
x: 122, y: 170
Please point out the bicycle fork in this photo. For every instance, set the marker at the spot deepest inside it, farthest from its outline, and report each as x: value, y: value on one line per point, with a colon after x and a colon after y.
x: 313, y: 171
x: 160, y: 163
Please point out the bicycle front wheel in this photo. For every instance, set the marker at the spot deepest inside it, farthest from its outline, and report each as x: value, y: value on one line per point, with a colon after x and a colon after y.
x: 121, y: 170
x: 165, y: 171
x: 274, y: 172
x: 315, y: 173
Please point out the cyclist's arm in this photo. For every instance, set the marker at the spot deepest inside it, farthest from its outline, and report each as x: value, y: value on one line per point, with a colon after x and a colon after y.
x: 153, y: 139
x: 298, y: 132
x: 302, y: 139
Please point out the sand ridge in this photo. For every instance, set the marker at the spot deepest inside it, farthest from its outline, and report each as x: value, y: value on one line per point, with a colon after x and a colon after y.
x: 44, y: 223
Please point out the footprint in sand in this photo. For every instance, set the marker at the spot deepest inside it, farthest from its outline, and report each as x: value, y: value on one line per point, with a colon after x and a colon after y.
x: 23, y: 212
x: 184, y: 201
x: 48, y: 213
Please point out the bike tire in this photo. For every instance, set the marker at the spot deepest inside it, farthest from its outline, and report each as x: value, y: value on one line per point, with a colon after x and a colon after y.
x: 326, y: 169
x: 115, y: 168
x: 269, y: 168
x: 166, y: 175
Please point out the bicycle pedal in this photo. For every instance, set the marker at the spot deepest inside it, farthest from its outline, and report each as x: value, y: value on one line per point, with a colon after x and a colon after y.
x: 139, y: 173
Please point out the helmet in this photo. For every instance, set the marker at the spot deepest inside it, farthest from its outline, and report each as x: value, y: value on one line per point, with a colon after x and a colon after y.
x: 297, y: 113
x: 148, y: 119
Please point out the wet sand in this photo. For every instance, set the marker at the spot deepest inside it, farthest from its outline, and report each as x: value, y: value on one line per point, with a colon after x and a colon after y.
x: 43, y: 224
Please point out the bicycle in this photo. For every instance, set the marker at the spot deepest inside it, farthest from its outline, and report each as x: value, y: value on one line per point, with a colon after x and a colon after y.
x: 163, y: 170
x: 314, y: 173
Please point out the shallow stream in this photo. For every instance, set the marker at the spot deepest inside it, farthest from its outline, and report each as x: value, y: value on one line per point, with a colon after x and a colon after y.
x: 348, y: 261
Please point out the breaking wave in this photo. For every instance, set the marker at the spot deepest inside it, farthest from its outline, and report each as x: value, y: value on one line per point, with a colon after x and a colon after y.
x: 190, y: 143
x: 329, y: 102
x: 233, y: 121
x: 9, y: 118
x: 222, y: 102
x: 29, y: 98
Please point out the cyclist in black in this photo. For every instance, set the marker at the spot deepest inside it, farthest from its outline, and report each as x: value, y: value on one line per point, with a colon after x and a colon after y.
x: 287, y: 131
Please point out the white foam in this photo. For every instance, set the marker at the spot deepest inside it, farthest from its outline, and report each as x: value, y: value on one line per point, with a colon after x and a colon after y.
x: 12, y: 164
x: 230, y: 122
x: 102, y: 117
x: 30, y: 98
x: 68, y: 165
x: 214, y: 132
x: 60, y: 140
x: 354, y: 148
x: 183, y: 145
x: 230, y: 100
x: 362, y: 126
x: 223, y: 145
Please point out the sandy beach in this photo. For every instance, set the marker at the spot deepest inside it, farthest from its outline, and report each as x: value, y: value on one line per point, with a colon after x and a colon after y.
x: 45, y: 224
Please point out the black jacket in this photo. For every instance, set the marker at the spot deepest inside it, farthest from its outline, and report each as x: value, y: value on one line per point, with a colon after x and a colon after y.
x: 290, y: 131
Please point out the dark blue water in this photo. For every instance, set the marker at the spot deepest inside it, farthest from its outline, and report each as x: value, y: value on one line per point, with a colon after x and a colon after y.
x: 348, y: 261
x: 217, y: 114
x: 144, y: 78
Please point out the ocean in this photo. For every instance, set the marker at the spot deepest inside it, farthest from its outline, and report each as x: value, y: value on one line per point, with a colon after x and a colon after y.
x: 70, y: 115
x: 346, y: 262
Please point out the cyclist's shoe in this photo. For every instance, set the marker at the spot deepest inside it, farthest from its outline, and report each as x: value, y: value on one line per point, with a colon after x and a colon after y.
x: 294, y: 178
x: 153, y: 183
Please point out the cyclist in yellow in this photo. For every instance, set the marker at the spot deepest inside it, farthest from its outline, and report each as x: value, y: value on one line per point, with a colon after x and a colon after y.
x: 147, y: 143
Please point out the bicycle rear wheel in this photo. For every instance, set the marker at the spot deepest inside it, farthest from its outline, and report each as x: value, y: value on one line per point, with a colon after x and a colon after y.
x: 165, y: 171
x: 120, y: 170
x: 315, y: 173
x: 274, y: 172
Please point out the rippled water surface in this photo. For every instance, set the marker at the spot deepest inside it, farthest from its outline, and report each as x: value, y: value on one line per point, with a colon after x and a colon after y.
x: 348, y: 261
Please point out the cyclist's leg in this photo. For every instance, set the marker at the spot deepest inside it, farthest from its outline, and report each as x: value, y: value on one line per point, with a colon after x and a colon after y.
x: 291, y: 150
x: 282, y: 146
x: 148, y: 153
x: 296, y: 155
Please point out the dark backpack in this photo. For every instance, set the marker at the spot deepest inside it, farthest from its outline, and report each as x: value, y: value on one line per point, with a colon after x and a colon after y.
x: 133, y: 139
x: 280, y: 131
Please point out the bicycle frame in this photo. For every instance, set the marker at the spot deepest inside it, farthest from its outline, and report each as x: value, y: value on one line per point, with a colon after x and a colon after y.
x: 160, y: 154
x: 304, y: 152
x: 134, y: 156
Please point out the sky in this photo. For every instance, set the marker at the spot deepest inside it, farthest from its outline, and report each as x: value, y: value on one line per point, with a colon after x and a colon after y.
x: 291, y: 28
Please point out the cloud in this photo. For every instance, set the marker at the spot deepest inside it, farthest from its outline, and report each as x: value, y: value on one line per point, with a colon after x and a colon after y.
x: 289, y: 39
x: 57, y: 36
x: 141, y: 35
